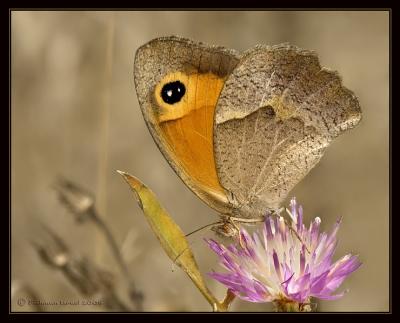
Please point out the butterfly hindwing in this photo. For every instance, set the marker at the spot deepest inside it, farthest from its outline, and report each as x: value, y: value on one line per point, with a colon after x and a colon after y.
x: 276, y: 114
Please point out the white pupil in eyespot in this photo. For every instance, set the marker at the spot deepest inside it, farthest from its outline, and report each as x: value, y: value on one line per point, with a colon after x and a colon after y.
x: 169, y: 93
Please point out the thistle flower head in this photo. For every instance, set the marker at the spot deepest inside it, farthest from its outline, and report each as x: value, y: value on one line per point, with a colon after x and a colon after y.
x: 284, y: 261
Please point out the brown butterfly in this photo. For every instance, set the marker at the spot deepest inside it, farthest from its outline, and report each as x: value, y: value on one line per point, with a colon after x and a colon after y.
x: 240, y: 129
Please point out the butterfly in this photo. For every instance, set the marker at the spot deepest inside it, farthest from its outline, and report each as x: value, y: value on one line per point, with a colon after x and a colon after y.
x: 240, y: 129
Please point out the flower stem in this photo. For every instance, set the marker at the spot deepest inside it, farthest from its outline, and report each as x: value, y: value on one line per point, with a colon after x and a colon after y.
x: 286, y: 305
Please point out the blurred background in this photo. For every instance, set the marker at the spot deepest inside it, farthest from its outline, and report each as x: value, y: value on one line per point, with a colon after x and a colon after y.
x: 75, y: 114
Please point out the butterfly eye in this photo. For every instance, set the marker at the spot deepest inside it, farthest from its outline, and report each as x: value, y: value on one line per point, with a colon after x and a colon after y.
x: 173, y: 92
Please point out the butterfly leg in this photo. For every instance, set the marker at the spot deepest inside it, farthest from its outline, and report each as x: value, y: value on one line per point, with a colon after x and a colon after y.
x: 231, y: 221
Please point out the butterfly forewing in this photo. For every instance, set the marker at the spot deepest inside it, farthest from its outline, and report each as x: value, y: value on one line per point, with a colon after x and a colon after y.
x: 178, y: 83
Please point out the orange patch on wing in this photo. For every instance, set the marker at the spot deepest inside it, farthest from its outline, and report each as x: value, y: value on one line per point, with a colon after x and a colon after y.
x: 187, y: 127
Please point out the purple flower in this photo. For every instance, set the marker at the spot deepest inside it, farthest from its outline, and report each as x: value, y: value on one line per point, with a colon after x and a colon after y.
x: 284, y: 261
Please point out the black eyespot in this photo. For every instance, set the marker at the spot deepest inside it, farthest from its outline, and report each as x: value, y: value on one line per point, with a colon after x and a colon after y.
x: 173, y: 92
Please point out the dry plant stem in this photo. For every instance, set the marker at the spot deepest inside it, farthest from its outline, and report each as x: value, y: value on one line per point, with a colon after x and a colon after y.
x: 82, y: 276
x: 95, y: 279
x: 114, y: 303
x: 81, y: 204
x: 135, y: 296
x: 87, y: 287
x: 105, y: 112
x: 33, y: 295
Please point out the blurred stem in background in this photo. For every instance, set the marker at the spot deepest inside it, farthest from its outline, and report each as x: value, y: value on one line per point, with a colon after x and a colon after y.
x: 20, y: 288
x: 81, y: 273
x: 104, y: 126
x: 135, y: 296
x: 81, y: 204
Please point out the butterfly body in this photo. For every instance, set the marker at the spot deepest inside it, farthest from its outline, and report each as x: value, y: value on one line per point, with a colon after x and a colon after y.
x: 240, y: 129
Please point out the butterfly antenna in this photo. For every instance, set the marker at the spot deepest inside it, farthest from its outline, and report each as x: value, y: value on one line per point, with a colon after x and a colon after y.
x: 186, y: 235
x: 203, y: 227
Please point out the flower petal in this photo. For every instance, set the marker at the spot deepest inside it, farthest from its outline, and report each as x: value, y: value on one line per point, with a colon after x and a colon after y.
x: 272, y: 263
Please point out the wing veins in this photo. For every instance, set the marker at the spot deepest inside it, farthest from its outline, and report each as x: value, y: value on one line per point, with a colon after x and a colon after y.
x: 272, y: 151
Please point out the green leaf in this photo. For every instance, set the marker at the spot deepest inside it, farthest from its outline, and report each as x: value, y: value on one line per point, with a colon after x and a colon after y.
x: 171, y: 237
